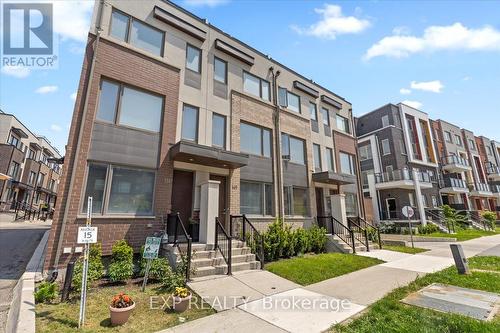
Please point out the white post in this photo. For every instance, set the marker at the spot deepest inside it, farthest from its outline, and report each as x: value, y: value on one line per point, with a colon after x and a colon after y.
x: 209, y: 210
x: 418, y: 193
x: 338, y: 208
x: 373, y: 195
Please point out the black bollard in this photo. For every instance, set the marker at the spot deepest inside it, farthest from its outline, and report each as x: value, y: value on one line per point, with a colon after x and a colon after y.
x: 67, y: 281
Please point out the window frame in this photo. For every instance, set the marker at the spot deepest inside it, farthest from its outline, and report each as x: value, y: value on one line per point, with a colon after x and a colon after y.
x: 317, y: 149
x: 384, y: 153
x: 330, y: 158
x: 288, y: 93
x: 345, y: 121
x: 458, y: 140
x: 197, y: 122
x: 262, y: 186
x: 352, y: 163
x: 188, y: 45
x: 447, y: 137
x: 262, y: 130
x: 315, y: 107
x: 214, y: 114
x: 289, y: 140
x: 327, y: 118
x: 260, y: 86
x: 369, y: 153
x: 128, y: 33
x: 290, y: 196
x: 225, y: 72
x: 384, y: 124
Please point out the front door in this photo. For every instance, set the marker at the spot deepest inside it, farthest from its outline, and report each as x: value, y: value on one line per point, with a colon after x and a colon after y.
x: 222, y: 198
x: 319, y: 202
x: 182, y: 195
x: 391, y: 208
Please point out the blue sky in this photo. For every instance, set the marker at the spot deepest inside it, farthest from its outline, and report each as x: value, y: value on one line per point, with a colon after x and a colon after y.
x: 443, y: 57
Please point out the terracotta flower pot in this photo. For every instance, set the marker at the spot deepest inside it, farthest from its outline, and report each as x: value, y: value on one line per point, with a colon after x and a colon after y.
x: 119, y: 316
x: 181, y: 304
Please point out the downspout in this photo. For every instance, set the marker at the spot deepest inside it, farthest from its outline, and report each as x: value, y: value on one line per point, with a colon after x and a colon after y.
x: 80, y: 134
x: 277, y: 144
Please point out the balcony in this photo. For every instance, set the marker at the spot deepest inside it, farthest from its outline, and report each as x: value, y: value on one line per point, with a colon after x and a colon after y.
x: 402, y: 178
x: 455, y: 164
x: 480, y: 190
x: 493, y: 171
x: 453, y: 186
x: 496, y: 190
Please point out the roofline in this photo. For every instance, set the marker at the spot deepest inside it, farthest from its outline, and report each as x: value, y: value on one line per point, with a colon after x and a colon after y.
x: 375, y: 110
x: 206, y: 23
x: 35, y: 135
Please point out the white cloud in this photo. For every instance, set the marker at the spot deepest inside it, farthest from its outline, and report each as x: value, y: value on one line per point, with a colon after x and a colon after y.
x: 333, y: 23
x: 72, y: 19
x: 46, y: 89
x: 73, y: 96
x: 435, y: 38
x: 433, y: 86
x: 413, y: 104
x: 404, y: 91
x: 202, y: 3
x: 19, y: 72
x: 55, y: 128
x: 466, y: 78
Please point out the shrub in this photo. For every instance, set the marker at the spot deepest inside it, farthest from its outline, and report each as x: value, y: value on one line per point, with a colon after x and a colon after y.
x: 491, y: 218
x: 317, y: 239
x: 46, y: 292
x: 159, y: 267
x: 95, y: 267
x: 122, y: 265
x: 176, y: 278
x: 428, y: 229
x: 302, y: 243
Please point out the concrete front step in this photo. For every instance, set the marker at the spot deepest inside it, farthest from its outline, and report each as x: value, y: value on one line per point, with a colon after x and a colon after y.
x: 338, y: 245
x: 219, y: 260
x: 222, y: 269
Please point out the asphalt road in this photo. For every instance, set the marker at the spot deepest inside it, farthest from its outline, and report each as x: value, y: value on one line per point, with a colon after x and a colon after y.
x: 18, y: 241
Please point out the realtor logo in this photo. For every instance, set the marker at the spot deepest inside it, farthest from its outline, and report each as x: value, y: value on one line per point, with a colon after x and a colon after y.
x: 28, y: 35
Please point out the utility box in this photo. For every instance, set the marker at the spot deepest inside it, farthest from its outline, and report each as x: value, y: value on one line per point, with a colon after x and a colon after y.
x: 460, y: 259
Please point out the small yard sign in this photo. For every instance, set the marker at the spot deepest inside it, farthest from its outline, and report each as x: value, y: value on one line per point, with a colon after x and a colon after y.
x: 151, y: 249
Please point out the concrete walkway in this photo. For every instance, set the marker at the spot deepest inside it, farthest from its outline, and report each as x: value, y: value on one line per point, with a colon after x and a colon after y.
x: 275, y: 310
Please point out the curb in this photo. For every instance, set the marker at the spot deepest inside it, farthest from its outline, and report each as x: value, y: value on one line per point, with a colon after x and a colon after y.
x: 21, y: 317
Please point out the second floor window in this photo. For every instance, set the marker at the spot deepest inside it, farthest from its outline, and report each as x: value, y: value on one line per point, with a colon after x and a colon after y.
x: 137, y: 33
x: 189, y: 123
x: 255, y: 140
x: 317, y: 157
x: 128, y: 106
x: 365, y: 153
x: 218, y: 130
x: 329, y: 158
x: 343, y: 124
x: 256, y: 86
x: 193, y: 58
x: 347, y: 164
x: 293, y: 148
x: 220, y: 70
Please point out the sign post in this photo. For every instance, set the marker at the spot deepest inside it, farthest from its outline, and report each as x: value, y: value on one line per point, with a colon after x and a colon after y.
x: 408, y: 212
x: 86, y: 235
x: 151, y: 249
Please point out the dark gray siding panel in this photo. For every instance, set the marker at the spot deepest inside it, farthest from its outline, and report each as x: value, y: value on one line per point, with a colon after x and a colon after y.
x: 294, y: 174
x: 192, y: 79
x: 258, y: 169
x: 120, y: 145
x: 220, y: 89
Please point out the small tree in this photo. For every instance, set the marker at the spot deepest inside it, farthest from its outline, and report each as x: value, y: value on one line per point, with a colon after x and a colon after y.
x: 491, y: 217
x: 122, y: 264
x: 95, y: 267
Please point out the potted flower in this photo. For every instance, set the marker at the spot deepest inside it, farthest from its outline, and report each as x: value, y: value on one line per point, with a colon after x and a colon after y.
x: 182, y: 297
x: 120, y: 309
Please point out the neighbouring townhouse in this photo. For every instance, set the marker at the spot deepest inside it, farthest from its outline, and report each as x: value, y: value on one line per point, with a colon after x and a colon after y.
x: 174, y: 115
x: 29, y: 175
x: 398, y: 162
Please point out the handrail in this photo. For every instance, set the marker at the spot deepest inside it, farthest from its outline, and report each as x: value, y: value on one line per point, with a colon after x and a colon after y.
x: 249, y: 234
x: 177, y: 241
x: 446, y: 224
x: 223, y: 244
x: 340, y: 230
x: 357, y: 230
x: 476, y: 217
x: 365, y: 224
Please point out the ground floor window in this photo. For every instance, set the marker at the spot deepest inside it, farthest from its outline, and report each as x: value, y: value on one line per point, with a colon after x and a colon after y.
x: 351, y: 205
x: 119, y: 190
x: 296, y: 202
x: 256, y: 198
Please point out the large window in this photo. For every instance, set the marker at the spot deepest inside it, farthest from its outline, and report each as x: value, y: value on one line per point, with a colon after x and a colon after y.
x: 293, y: 102
x: 256, y: 86
x: 293, y: 148
x: 313, y: 111
x: 256, y: 198
x: 255, y: 140
x: 347, y: 163
x: 119, y: 190
x: 326, y: 116
x: 193, y: 58
x: 317, y: 157
x: 343, y: 124
x: 189, y: 123
x: 220, y: 70
x: 365, y: 153
x: 137, y: 33
x: 386, y: 147
x: 296, y: 203
x: 128, y: 106
x: 329, y: 158
x: 218, y: 130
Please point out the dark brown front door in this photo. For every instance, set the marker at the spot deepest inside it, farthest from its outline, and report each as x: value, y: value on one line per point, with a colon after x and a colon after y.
x: 182, y: 195
x: 319, y: 201
x: 222, y: 197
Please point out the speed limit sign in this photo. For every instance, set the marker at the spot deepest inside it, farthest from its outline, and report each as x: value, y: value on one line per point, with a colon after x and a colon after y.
x: 87, y: 235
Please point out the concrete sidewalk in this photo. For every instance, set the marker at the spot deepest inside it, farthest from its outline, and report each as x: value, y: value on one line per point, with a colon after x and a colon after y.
x: 360, y: 289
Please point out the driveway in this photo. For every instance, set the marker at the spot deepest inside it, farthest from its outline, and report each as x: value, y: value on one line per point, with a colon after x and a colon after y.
x: 18, y: 241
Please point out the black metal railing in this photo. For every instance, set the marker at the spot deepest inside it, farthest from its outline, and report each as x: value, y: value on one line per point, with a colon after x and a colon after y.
x: 452, y: 182
x: 479, y: 187
x: 374, y: 235
x: 336, y: 228
x: 360, y: 233
x: 223, y: 244
x: 181, y: 236
x: 492, y: 169
x: 437, y: 217
x: 242, y: 229
x: 478, y: 221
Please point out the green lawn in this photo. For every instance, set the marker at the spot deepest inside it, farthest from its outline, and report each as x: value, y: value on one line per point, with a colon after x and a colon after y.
x: 63, y: 317
x: 310, y: 269
x: 390, y: 315
x: 404, y: 249
x: 465, y: 234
